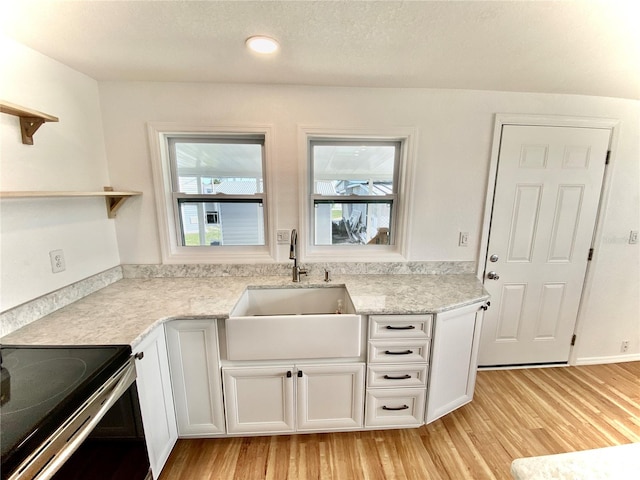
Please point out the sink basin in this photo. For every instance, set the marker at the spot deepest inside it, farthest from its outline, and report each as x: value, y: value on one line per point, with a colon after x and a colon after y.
x: 292, y: 301
x: 293, y: 323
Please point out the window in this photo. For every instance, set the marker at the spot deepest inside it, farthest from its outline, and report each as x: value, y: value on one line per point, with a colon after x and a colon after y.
x: 218, y: 189
x: 354, y: 191
x: 211, y: 191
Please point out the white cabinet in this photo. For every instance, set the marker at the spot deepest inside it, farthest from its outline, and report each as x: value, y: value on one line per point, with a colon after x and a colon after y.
x: 259, y: 399
x: 195, y: 377
x: 330, y: 397
x: 454, y: 360
x: 398, y: 354
x: 321, y: 397
x: 156, y: 401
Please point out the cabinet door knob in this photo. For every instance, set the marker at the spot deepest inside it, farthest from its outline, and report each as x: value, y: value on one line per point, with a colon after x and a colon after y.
x: 289, y: 374
x: 299, y: 373
x: 139, y: 356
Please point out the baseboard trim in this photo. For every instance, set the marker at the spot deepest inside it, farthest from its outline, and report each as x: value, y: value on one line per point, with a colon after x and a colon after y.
x: 522, y: 366
x: 632, y: 357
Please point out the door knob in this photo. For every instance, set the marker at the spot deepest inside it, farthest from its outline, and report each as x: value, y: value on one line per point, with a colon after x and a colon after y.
x: 494, y: 258
x: 493, y: 275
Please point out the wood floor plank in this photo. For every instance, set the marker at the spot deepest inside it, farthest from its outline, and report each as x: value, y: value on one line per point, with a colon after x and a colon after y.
x: 515, y: 413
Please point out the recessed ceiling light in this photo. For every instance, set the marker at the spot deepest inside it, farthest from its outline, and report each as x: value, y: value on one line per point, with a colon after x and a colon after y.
x: 261, y: 44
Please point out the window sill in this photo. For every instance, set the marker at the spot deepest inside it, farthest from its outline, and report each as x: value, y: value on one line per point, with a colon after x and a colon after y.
x: 219, y: 255
x: 366, y: 253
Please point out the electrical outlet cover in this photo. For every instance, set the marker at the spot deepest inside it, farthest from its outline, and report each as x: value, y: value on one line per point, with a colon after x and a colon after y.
x: 57, y: 261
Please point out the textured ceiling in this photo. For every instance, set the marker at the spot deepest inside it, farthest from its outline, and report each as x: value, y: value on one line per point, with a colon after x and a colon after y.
x: 581, y: 47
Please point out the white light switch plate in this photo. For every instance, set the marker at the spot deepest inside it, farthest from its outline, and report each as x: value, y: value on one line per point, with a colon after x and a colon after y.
x: 463, y: 239
x: 282, y: 236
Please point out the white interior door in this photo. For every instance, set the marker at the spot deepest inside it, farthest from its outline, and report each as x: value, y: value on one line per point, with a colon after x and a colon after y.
x: 544, y: 211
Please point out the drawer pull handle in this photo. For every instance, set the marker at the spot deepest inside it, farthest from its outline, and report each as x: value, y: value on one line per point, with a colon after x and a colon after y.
x: 407, y: 327
x: 405, y: 352
x: 403, y: 407
x: 402, y: 377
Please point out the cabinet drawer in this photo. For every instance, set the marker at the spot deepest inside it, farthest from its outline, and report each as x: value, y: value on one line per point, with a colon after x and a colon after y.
x: 395, y: 408
x: 398, y: 351
x: 400, y: 326
x: 393, y: 376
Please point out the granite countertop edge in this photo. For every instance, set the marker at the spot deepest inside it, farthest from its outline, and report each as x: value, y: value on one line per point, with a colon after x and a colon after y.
x: 126, y: 311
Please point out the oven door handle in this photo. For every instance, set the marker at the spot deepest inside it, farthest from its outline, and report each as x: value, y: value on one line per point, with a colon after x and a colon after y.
x: 81, y: 423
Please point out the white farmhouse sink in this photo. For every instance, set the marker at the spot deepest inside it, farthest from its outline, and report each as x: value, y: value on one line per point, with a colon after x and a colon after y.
x: 293, y: 323
x: 292, y: 301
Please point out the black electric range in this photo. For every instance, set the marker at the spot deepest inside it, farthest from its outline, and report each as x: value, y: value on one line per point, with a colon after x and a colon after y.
x: 42, y: 386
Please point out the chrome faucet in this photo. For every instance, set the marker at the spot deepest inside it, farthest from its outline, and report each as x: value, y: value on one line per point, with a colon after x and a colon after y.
x: 293, y: 255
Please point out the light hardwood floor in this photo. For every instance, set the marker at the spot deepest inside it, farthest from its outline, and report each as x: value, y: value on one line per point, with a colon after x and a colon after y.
x: 515, y: 413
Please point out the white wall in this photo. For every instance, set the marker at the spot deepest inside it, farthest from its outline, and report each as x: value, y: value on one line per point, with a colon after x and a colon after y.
x: 455, y: 133
x: 68, y: 155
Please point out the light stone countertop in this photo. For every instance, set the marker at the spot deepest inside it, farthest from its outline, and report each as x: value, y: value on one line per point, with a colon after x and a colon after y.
x: 620, y: 462
x: 125, y: 311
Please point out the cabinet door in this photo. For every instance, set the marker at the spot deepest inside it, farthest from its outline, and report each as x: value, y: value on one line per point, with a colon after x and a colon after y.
x: 330, y: 397
x: 156, y: 400
x: 454, y: 360
x: 259, y: 399
x: 195, y: 376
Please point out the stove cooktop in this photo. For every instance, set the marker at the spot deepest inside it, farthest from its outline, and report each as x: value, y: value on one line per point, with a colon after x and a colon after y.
x: 42, y: 386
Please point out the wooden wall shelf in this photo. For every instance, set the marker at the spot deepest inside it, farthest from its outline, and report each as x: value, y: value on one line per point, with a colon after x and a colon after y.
x: 114, y: 199
x: 30, y: 120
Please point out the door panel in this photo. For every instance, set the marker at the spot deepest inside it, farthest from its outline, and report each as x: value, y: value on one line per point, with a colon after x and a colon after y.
x: 195, y: 376
x: 452, y: 378
x: 330, y: 397
x: 259, y: 399
x: 524, y: 222
x: 550, y: 310
x: 565, y: 225
x: 544, y: 211
x: 511, y: 311
x: 156, y: 401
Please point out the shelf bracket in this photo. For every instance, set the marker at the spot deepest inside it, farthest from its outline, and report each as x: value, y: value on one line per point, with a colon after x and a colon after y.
x: 29, y: 126
x: 30, y: 120
x: 114, y: 202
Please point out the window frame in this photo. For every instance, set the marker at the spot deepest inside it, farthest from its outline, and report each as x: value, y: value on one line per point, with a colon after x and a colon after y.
x: 168, y: 198
x: 402, y: 201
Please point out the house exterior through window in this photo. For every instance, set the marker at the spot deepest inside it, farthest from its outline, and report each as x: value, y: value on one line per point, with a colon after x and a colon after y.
x: 218, y: 189
x: 354, y: 191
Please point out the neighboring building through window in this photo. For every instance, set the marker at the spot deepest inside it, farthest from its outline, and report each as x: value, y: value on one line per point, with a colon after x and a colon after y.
x: 218, y: 189
x: 354, y: 191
